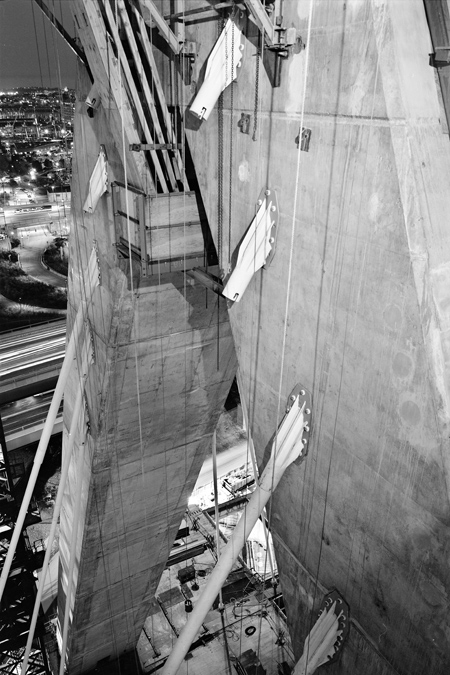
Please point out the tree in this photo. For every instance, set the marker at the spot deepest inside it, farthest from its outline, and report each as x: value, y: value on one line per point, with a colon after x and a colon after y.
x: 18, y: 167
x: 37, y: 166
x: 4, y: 165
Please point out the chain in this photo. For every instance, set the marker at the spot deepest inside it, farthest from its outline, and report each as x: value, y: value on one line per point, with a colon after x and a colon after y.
x: 255, y: 110
x: 220, y: 170
x: 231, y: 134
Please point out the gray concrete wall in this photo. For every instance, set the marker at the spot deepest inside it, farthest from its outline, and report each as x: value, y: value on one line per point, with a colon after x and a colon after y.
x: 153, y: 395
x: 362, y: 260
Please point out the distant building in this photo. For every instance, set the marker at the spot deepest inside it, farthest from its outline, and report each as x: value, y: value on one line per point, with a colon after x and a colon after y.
x: 59, y: 194
x: 67, y: 111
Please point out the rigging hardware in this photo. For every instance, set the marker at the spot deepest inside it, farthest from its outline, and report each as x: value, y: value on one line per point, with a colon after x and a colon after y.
x: 283, y: 41
x: 244, y: 123
x: 303, y: 139
x: 230, y: 182
x: 327, y: 636
x: 93, y: 100
x: 257, y: 247
x: 278, y: 38
x: 137, y: 147
x: 220, y: 26
x: 255, y: 111
x: 208, y: 280
x: 440, y: 58
x: 189, y: 54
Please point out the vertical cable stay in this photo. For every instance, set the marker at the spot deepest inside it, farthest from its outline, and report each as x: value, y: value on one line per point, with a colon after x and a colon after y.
x: 311, y: 620
x: 186, y: 304
x: 42, y: 447
x: 86, y: 284
x: 37, y: 45
x: 216, y: 506
x: 59, y: 498
x: 46, y: 50
x: 291, y: 250
x: 74, y: 534
x: 142, y: 215
x: 115, y: 22
x: 249, y: 408
x: 58, y: 70
x: 83, y: 232
x: 230, y: 196
x: 375, y: 85
x: 220, y: 171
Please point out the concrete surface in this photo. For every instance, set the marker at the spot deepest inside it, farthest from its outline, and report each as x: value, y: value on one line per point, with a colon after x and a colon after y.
x: 153, y: 395
x: 355, y: 307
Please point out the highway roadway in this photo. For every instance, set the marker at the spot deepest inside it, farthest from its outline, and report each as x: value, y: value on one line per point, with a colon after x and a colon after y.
x: 26, y: 414
x: 55, y: 220
x: 12, y: 219
x: 34, y: 352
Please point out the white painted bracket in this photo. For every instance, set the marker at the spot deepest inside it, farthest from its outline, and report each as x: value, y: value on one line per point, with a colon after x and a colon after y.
x: 98, y: 182
x: 327, y: 637
x: 222, y: 68
x: 257, y: 248
x: 94, y: 277
x: 295, y: 428
x: 93, y: 98
x: 291, y: 439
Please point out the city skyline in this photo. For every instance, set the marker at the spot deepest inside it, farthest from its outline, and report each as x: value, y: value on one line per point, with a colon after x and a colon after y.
x: 32, y: 53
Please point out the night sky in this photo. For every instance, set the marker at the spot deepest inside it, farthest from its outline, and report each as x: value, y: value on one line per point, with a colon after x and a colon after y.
x: 25, y: 61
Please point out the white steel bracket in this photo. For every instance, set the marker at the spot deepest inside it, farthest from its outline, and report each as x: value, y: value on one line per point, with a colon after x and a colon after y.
x: 222, y: 68
x: 93, y: 100
x: 324, y: 642
x: 98, y: 182
x: 257, y: 247
x: 302, y: 398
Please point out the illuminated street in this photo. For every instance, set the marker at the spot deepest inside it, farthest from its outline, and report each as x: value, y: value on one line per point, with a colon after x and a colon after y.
x: 34, y: 353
